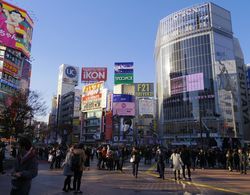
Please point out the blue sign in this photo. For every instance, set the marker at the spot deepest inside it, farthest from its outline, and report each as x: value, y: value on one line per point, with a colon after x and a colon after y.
x: 123, y: 98
x: 124, y: 67
x: 9, y: 84
x: 70, y: 72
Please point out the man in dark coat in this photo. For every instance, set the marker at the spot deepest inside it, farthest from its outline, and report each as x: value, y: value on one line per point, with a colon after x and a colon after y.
x: 2, y: 145
x: 25, y: 169
x: 186, y: 159
x: 160, y: 159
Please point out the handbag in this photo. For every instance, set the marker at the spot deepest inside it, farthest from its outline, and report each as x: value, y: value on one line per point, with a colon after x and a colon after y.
x: 132, y: 159
x: 50, y: 158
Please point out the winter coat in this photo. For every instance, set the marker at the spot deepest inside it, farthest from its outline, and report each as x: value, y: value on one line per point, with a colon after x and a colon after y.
x: 82, y: 157
x: 136, y: 156
x: 176, y: 160
x: 67, y: 171
x: 27, y: 165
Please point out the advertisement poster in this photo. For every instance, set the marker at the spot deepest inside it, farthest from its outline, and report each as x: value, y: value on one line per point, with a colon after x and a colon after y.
x: 124, y: 108
x: 124, y: 73
x: 144, y: 89
x: 16, y: 28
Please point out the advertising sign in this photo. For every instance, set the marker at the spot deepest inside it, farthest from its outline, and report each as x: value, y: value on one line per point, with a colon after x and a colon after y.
x: 124, y: 108
x: 26, y: 70
x: 94, y: 74
x: 144, y: 89
x: 146, y: 106
x: 187, y: 83
x: 124, y: 73
x: 15, y: 28
x: 70, y: 74
x: 92, y: 96
x: 10, y: 68
x: 123, y: 98
x: 109, y: 126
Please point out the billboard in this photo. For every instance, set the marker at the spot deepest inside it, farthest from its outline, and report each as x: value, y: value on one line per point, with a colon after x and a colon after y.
x: 123, y: 98
x: 16, y: 28
x: 144, y: 89
x: 92, y: 96
x: 124, y: 73
x: 69, y: 74
x: 124, y: 108
x: 10, y: 68
x: 94, y: 74
x: 146, y: 106
x: 26, y: 70
x: 187, y: 83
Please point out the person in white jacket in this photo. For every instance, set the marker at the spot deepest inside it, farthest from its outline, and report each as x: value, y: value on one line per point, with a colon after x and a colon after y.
x: 176, y: 163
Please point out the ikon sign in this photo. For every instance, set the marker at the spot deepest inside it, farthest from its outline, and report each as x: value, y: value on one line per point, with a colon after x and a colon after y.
x: 94, y: 74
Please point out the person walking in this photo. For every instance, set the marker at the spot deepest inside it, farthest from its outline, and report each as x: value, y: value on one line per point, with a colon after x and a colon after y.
x: 67, y: 170
x: 160, y: 159
x: 135, y: 160
x: 25, y: 168
x: 77, y: 164
x: 243, y: 161
x: 186, y: 159
x: 229, y: 157
x: 176, y: 163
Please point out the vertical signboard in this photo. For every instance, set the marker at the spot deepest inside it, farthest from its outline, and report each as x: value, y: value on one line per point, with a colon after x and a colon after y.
x: 16, y: 28
x: 109, y: 124
x: 124, y: 73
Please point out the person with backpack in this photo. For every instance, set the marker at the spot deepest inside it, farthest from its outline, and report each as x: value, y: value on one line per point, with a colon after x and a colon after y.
x: 67, y: 171
x: 77, y: 165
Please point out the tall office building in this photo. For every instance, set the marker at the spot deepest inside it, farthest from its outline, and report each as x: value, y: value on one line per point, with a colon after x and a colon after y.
x: 67, y: 81
x: 201, y: 78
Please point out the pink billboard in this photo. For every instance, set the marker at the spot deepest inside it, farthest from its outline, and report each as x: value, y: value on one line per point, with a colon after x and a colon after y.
x: 124, y: 108
x: 94, y: 74
x: 187, y: 83
x: 15, y: 28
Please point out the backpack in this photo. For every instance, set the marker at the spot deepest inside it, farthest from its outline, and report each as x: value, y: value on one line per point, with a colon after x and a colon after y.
x: 75, y: 162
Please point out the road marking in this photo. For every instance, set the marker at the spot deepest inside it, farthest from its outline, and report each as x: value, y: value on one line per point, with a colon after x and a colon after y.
x: 149, y: 172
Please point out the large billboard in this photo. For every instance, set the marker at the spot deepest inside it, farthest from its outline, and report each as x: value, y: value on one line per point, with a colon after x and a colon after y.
x: 92, y: 96
x: 144, y: 89
x: 16, y: 28
x: 124, y: 73
x: 124, y: 108
x: 123, y: 98
x: 94, y: 74
x: 187, y: 83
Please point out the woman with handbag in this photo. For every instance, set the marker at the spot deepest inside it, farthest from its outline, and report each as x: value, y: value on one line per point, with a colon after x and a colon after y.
x: 135, y: 159
x: 67, y: 170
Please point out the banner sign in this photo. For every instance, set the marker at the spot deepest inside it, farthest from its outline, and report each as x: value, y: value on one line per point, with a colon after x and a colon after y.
x: 94, y: 74
x: 144, y: 89
x: 16, y: 28
x: 123, y: 98
x: 124, y: 73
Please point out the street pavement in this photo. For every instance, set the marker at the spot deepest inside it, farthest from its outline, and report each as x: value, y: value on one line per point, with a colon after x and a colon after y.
x: 104, y: 182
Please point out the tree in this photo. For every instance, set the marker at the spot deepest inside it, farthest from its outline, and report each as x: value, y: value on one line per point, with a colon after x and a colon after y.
x: 19, y: 111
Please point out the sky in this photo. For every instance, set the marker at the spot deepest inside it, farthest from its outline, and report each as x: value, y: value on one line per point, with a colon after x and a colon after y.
x: 98, y: 33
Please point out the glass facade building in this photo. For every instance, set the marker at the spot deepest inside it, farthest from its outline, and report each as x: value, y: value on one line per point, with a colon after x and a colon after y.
x: 201, y: 80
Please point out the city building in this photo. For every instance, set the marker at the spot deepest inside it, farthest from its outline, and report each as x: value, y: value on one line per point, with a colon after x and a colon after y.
x: 201, y: 79
x: 15, y: 45
x: 67, y: 81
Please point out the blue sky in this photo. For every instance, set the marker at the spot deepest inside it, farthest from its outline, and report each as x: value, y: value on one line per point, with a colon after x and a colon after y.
x: 100, y: 32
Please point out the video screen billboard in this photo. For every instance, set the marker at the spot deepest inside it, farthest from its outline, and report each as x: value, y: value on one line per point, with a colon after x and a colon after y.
x: 187, y: 83
x: 94, y: 74
x: 16, y: 28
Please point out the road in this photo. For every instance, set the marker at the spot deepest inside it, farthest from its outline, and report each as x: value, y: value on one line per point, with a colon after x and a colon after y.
x: 104, y: 182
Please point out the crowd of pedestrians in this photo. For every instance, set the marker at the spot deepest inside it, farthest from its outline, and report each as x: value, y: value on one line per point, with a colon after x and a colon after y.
x: 74, y: 159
